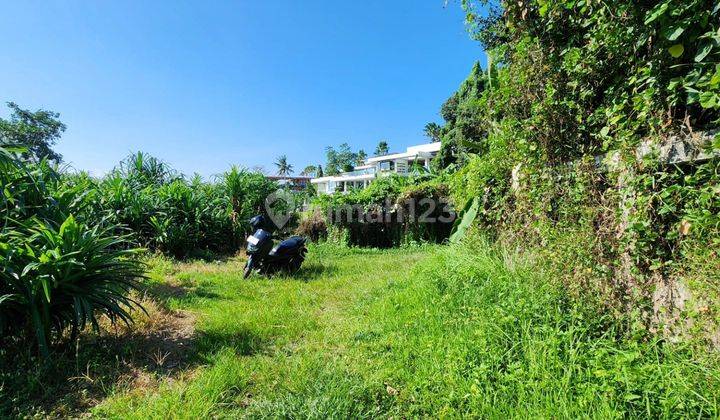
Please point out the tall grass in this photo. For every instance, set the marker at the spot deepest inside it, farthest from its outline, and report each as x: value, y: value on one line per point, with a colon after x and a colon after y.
x: 479, y: 333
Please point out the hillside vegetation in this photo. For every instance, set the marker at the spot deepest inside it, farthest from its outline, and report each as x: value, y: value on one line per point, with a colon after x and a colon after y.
x: 546, y: 139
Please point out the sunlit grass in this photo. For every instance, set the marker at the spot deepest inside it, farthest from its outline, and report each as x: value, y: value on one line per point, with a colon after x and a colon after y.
x: 265, y: 337
x: 413, y: 332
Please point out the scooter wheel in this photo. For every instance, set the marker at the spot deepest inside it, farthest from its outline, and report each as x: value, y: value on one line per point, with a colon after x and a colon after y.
x: 296, y: 262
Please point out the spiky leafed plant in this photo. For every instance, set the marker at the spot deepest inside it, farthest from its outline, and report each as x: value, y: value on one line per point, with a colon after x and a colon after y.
x: 56, y: 278
x: 284, y: 168
x: 246, y: 192
x: 382, y: 148
x: 56, y: 272
x: 143, y: 169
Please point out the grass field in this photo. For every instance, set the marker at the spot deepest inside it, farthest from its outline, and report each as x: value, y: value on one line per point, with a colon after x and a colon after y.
x: 272, y: 346
x: 428, y: 331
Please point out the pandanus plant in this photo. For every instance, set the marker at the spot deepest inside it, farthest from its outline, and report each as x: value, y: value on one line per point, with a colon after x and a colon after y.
x: 57, y: 274
x: 60, y: 278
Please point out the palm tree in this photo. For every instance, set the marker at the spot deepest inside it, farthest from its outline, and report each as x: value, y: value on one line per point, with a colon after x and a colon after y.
x: 433, y: 131
x: 382, y: 148
x: 284, y: 168
x: 360, y: 157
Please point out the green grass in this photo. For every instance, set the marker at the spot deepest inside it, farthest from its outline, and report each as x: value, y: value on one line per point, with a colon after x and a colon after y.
x: 453, y: 332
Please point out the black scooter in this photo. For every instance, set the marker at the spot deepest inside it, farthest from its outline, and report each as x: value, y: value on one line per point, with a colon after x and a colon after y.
x: 288, y: 255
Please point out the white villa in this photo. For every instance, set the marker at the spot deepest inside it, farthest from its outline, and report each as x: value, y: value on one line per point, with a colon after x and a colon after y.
x: 363, y: 175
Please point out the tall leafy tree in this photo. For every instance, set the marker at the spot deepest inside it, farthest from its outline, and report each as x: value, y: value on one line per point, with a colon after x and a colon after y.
x: 331, y: 165
x: 433, y: 131
x: 465, y: 130
x: 341, y: 160
x: 37, y: 131
x: 284, y: 168
x: 320, y: 173
x: 346, y: 157
x: 382, y: 148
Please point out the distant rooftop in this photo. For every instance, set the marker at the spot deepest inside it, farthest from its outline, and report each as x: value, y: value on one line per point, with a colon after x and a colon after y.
x: 289, y: 177
x: 411, y: 151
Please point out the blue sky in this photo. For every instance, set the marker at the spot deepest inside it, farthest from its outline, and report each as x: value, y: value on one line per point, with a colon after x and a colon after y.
x: 203, y: 85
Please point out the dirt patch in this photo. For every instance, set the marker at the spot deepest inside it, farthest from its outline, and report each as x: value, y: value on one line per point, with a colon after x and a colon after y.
x: 158, y: 347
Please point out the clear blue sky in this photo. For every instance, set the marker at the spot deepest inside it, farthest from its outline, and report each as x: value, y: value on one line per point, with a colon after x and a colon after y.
x: 206, y: 84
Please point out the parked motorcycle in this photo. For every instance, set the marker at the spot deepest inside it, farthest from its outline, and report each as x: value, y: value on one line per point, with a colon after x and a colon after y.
x: 267, y: 258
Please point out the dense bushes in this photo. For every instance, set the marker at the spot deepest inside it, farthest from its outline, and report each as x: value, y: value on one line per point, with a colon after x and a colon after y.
x: 167, y: 212
x: 391, y: 211
x: 172, y: 214
x: 56, y: 272
x: 569, y: 82
x: 67, y: 245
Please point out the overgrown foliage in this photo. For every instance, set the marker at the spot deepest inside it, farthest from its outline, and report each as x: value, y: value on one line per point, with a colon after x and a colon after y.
x: 391, y: 211
x: 57, y: 273
x: 572, y: 82
x: 68, y: 241
x: 485, y: 334
x: 179, y: 216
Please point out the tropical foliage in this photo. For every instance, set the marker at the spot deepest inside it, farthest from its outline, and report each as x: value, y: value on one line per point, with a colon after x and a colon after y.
x: 68, y: 240
x: 433, y: 131
x: 283, y: 167
x: 382, y: 148
x: 57, y: 272
x: 570, y: 84
x: 391, y: 211
x: 342, y: 159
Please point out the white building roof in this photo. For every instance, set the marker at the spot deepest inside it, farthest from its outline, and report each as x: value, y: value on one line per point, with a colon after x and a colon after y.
x: 342, y: 178
x: 422, y: 150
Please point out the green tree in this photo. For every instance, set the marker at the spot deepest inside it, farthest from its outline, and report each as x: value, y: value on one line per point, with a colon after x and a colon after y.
x: 331, y: 165
x: 465, y: 127
x: 341, y: 160
x: 346, y: 157
x: 284, y: 168
x: 37, y: 131
x: 382, y: 148
x: 309, y: 170
x: 433, y: 131
x: 320, y: 172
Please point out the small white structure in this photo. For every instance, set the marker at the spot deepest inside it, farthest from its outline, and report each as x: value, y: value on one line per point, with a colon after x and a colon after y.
x: 363, y: 175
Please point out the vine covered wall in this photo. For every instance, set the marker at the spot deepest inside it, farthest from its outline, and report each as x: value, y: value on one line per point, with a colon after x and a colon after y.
x: 564, y: 135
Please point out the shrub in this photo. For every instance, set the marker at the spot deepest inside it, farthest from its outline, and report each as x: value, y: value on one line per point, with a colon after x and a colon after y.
x: 313, y: 226
x: 54, y: 278
x: 177, y: 216
x: 388, y: 212
x: 57, y: 272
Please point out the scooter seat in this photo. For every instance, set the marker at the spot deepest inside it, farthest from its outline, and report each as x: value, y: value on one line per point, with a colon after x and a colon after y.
x: 288, y: 246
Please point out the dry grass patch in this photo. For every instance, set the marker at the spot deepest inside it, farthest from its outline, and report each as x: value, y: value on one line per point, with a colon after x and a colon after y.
x: 157, y: 347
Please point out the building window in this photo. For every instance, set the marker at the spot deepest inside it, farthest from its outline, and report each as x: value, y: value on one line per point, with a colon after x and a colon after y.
x: 387, y: 166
